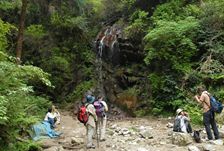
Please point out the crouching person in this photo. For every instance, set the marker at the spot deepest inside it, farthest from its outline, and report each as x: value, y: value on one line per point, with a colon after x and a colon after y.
x: 182, y: 122
x: 91, y: 123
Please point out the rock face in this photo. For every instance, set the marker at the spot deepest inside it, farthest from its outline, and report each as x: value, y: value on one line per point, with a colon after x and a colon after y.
x: 122, y: 68
x: 181, y: 139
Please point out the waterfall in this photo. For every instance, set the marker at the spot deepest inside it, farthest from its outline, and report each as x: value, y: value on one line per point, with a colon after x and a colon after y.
x: 99, y: 65
x: 105, y: 50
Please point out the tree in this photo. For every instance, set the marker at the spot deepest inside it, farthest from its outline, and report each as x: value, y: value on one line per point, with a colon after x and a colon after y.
x: 19, y: 46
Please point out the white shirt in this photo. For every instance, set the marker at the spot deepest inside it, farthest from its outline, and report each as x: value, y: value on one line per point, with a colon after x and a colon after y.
x: 182, y: 123
x: 104, y: 104
x: 49, y: 115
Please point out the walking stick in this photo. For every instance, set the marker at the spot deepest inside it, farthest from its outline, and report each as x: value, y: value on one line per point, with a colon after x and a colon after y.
x: 97, y: 134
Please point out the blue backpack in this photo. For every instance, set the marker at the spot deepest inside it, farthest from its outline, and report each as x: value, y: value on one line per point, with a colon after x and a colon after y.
x: 216, y: 106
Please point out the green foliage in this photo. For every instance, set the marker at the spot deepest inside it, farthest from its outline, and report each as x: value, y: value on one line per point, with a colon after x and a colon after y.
x: 139, y: 21
x: 80, y: 90
x: 9, y: 4
x: 20, y: 107
x: 195, y: 113
x: 59, y: 21
x: 172, y: 42
x: 36, y: 31
x: 175, y: 10
x: 4, y: 29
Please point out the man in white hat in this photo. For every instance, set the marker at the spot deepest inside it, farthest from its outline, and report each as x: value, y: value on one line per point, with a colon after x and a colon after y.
x: 185, y: 126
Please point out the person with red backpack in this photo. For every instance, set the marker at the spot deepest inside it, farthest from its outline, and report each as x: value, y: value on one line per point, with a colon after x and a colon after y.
x: 91, y: 123
x: 101, y: 109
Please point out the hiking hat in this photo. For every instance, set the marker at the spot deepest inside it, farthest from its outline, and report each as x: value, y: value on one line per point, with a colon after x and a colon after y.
x: 179, y: 111
x: 90, y: 98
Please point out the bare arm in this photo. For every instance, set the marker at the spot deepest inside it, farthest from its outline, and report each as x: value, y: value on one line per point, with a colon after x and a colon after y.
x: 199, y: 100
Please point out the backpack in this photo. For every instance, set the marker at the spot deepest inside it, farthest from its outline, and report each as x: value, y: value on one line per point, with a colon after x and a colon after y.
x: 99, y: 108
x: 216, y: 106
x: 176, y: 125
x: 196, y: 136
x: 83, y: 115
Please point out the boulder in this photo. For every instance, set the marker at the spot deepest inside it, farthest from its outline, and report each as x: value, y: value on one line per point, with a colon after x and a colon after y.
x: 181, y: 139
x: 208, y: 147
x: 146, y: 134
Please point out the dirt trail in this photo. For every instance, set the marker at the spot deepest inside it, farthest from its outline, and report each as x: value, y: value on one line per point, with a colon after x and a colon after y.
x: 122, y: 135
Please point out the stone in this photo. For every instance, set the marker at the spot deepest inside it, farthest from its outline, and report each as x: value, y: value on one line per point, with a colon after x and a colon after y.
x: 217, y: 142
x: 114, y: 126
x: 170, y: 133
x: 146, y: 134
x: 221, y: 133
x: 208, y: 147
x: 169, y: 125
x: 77, y: 141
x: 181, y: 139
x: 193, y: 148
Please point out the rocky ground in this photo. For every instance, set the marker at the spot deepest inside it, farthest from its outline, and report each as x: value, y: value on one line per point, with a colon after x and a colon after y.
x: 129, y: 134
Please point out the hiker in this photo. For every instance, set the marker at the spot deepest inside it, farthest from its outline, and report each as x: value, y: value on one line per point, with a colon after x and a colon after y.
x: 91, y: 123
x: 101, y: 109
x: 57, y: 116
x: 49, y: 117
x: 184, y: 121
x: 203, y: 98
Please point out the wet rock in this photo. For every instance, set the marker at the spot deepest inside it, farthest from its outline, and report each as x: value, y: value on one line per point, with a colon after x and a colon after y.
x: 181, y: 139
x: 193, y: 148
x: 77, y: 141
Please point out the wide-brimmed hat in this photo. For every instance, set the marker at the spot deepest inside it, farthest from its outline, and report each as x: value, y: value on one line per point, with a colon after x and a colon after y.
x: 179, y: 111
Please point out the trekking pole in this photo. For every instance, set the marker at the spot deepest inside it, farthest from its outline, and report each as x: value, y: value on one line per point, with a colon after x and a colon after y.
x: 97, y: 134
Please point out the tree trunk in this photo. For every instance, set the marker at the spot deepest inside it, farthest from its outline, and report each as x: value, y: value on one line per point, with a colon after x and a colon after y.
x: 19, y: 46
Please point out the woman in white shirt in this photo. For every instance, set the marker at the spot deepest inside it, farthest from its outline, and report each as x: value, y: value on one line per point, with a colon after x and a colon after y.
x: 49, y: 117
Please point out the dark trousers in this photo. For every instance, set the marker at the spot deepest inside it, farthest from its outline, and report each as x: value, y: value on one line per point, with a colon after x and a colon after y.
x: 209, y: 119
x: 188, y: 125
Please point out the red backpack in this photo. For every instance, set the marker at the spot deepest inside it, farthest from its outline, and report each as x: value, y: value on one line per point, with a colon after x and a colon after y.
x: 83, y: 115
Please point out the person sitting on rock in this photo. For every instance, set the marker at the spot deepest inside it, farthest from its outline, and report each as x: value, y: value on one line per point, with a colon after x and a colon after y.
x: 182, y: 122
x: 49, y: 117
